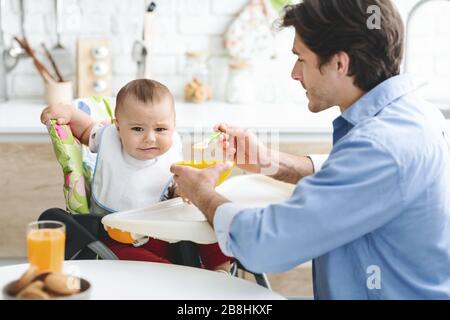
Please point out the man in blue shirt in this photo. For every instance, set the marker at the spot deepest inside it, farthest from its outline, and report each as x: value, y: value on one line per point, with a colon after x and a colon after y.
x: 375, y: 217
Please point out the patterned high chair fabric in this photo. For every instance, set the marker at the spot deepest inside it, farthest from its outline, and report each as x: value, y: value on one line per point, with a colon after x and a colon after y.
x: 76, y: 161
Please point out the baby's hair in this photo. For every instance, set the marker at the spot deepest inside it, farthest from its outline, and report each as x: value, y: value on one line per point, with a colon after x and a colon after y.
x: 143, y: 90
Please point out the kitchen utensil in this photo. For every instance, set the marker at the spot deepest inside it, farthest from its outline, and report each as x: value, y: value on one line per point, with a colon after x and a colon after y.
x: 52, y: 61
x: 139, y: 54
x: 141, y: 47
x: 58, y: 92
x: 203, y: 145
x: 61, y: 55
x: 46, y: 76
x: 148, y: 33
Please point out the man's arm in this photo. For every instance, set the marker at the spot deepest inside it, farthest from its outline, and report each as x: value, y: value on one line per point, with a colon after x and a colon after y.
x: 292, y: 169
x: 348, y: 198
x: 198, y: 186
x: 251, y: 155
x: 208, y: 202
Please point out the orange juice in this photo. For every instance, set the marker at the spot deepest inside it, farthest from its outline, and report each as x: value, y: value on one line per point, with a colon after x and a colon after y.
x: 46, y: 249
x: 202, y: 164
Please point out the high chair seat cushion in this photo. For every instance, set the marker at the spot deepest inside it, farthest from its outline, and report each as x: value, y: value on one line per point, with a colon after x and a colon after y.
x: 75, y: 159
x: 68, y: 152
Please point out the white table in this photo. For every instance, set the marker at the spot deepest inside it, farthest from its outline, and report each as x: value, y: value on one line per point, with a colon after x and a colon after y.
x: 145, y: 280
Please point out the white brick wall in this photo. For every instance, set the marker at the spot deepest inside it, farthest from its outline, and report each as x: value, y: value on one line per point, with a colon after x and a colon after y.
x: 429, y: 47
x: 192, y: 25
x: 193, y: 7
x: 209, y: 25
x: 229, y: 7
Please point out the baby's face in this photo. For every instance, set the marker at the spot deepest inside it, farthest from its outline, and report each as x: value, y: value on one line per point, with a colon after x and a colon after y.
x: 146, y: 130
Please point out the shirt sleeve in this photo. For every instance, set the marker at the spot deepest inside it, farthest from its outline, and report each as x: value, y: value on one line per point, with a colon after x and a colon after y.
x: 94, y: 137
x: 318, y: 160
x: 222, y: 220
x: 357, y: 191
x: 226, y: 212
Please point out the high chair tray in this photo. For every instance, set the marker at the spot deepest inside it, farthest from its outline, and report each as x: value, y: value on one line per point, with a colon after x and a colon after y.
x: 174, y: 220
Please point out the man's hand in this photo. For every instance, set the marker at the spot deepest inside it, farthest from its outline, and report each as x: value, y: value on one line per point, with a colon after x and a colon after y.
x: 61, y: 113
x: 197, y: 186
x: 242, y: 146
x: 191, y: 182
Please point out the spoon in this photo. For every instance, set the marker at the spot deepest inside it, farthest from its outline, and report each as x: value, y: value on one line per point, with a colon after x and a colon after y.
x: 205, y: 143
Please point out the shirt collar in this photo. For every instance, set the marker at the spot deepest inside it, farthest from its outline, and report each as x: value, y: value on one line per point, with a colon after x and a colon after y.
x: 379, y: 97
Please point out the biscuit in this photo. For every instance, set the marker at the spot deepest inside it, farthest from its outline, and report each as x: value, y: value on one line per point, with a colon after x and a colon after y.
x: 41, y: 276
x: 34, y: 291
x: 62, y: 284
x: 24, y: 280
x: 37, y: 284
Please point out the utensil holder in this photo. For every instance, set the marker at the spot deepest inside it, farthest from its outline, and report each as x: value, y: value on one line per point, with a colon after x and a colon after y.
x: 58, y: 92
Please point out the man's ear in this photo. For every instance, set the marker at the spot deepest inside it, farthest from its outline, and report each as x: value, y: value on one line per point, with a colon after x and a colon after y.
x: 342, y: 63
x: 116, y: 123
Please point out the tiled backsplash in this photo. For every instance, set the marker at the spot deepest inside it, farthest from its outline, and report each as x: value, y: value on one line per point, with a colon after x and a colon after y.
x: 186, y: 25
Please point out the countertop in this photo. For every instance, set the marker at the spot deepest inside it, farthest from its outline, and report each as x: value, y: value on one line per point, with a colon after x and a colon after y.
x: 19, y: 120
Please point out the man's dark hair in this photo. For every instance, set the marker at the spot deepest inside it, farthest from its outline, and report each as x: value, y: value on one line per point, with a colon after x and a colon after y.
x: 143, y: 90
x: 331, y: 26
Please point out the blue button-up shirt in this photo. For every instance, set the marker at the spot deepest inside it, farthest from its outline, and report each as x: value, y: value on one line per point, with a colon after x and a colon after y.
x: 375, y: 219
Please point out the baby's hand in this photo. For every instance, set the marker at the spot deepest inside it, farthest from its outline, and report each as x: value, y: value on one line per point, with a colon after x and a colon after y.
x: 61, y: 113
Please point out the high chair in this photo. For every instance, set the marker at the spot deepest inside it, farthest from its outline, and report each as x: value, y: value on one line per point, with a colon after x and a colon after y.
x: 84, y: 230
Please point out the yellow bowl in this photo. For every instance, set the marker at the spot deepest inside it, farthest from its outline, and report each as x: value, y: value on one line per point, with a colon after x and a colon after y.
x: 202, y: 164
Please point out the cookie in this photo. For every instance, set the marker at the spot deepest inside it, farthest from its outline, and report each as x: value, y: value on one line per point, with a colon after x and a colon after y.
x: 33, y: 294
x: 41, y: 276
x: 62, y: 284
x: 24, y: 280
x: 35, y: 290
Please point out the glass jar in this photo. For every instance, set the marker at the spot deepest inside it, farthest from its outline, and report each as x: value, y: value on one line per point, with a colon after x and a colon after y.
x: 197, y: 86
x: 240, y: 87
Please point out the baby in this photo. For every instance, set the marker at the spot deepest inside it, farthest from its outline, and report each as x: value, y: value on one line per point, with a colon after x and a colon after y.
x: 134, y: 156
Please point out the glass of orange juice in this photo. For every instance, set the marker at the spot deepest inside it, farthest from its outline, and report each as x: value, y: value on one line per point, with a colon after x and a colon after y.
x: 45, y: 244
